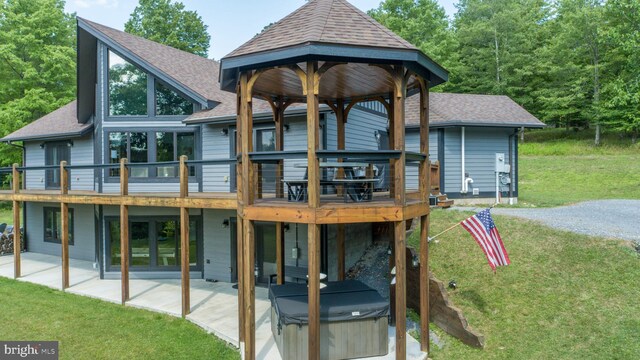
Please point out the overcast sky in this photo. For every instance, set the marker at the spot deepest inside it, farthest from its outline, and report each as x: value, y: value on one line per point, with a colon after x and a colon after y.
x: 231, y: 22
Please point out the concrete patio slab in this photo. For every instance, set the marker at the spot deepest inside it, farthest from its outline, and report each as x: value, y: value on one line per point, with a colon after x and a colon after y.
x: 214, y: 306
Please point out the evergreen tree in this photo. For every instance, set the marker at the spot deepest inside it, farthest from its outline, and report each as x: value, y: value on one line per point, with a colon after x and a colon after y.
x: 169, y: 24
x: 37, y: 64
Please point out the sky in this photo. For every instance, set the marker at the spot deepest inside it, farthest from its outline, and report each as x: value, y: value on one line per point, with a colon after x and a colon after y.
x: 228, y: 29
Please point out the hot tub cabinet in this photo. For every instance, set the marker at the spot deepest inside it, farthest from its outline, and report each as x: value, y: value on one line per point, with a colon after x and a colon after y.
x: 354, y: 321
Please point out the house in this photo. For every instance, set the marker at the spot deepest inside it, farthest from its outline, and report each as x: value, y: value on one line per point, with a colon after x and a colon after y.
x: 467, y: 133
x: 169, y: 165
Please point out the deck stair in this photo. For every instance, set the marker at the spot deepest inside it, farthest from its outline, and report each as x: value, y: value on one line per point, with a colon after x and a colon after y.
x: 443, y: 201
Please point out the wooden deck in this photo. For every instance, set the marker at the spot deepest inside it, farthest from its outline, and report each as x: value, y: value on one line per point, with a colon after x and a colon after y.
x: 195, y: 200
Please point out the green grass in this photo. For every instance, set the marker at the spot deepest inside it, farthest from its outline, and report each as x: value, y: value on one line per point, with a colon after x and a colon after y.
x: 92, y: 329
x: 559, y: 167
x: 562, y: 142
x: 565, y: 296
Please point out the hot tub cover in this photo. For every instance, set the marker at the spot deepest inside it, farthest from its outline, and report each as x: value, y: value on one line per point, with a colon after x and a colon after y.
x: 339, y: 301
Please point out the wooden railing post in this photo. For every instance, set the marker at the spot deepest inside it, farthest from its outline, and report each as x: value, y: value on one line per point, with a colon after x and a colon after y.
x: 184, y: 237
x: 17, y: 244
x: 64, y: 224
x: 124, y: 231
x: 425, y: 191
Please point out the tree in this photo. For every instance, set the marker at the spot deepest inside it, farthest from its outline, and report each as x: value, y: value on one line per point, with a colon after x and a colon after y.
x: 578, y: 45
x: 496, y: 42
x: 424, y: 24
x: 37, y: 64
x: 169, y: 24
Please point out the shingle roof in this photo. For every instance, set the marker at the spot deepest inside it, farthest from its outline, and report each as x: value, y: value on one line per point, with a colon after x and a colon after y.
x: 192, y: 71
x: 447, y: 109
x: 324, y: 21
x: 61, y: 123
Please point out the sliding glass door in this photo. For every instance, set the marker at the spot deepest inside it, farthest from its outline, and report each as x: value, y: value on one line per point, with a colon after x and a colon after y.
x: 154, y: 243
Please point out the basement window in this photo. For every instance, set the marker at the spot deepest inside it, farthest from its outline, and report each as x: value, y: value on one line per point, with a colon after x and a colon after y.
x: 53, y: 225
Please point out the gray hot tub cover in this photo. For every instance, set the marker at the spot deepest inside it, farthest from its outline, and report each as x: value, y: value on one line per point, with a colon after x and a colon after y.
x: 339, y: 301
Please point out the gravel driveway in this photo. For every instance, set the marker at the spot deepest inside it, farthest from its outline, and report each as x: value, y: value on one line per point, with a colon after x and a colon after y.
x: 607, y: 218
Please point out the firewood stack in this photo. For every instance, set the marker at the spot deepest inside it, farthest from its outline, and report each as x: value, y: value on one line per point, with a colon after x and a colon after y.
x: 6, y: 244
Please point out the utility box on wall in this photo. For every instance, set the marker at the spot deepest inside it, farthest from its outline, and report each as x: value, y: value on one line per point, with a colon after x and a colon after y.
x: 501, y: 163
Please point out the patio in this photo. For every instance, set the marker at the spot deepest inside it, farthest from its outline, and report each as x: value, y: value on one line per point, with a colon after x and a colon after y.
x: 214, y: 305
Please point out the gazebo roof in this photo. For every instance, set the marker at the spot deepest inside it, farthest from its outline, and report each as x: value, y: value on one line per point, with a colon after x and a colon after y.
x: 327, y: 30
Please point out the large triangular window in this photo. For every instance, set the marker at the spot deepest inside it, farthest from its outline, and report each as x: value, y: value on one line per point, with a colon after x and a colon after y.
x: 169, y: 102
x: 127, y: 87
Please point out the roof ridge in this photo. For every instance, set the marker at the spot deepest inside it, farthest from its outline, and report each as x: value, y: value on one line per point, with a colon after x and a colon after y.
x: 326, y: 19
x: 93, y: 24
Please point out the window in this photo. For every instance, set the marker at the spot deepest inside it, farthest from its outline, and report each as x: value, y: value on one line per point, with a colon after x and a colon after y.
x: 127, y: 88
x: 137, y: 147
x: 170, y: 146
x: 155, y: 243
x: 168, y: 102
x: 54, y: 154
x: 132, y: 146
x: 53, y: 225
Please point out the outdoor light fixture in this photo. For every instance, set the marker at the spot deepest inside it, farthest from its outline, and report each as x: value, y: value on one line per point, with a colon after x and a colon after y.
x: 377, y: 135
x: 415, y: 261
x: 224, y: 131
x: 256, y: 270
x: 69, y: 143
x: 286, y: 227
x: 42, y: 146
x: 286, y: 127
x: 389, y: 250
x: 225, y: 223
x: 453, y: 285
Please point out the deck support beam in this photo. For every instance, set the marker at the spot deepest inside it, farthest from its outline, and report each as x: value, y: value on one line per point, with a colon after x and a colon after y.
x: 124, y: 232
x: 64, y: 224
x: 17, y: 241
x: 313, y: 189
x: 425, y: 191
x: 184, y: 238
x: 340, y: 237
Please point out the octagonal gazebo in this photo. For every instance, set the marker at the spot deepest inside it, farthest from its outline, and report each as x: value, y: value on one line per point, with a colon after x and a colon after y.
x: 328, y: 52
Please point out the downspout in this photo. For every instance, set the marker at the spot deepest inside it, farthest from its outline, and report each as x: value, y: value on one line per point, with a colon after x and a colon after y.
x: 466, y: 180
x: 462, y: 156
x: 513, y: 137
x: 24, y: 206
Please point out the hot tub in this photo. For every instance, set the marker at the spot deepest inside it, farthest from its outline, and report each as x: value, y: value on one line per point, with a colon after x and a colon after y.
x: 353, y: 321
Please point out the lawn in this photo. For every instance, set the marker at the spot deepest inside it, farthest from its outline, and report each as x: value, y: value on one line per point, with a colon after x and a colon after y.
x: 559, y: 167
x: 93, y: 329
x: 565, y: 296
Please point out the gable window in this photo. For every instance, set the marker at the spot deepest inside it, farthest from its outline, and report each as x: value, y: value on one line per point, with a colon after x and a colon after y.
x: 148, y: 147
x: 169, y: 102
x: 53, y: 227
x: 127, y: 87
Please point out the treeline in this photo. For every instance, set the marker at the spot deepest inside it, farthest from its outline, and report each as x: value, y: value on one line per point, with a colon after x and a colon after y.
x: 572, y: 63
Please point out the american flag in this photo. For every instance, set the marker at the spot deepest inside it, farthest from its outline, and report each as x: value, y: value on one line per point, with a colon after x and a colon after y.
x: 484, y: 231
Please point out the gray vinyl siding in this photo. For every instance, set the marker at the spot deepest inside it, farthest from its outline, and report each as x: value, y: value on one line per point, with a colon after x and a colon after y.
x: 217, y: 245
x: 452, y: 161
x: 412, y: 143
x: 295, y: 139
x: 83, y: 232
x: 360, y: 130
x: 34, y: 156
x: 215, y: 145
x: 482, y: 145
x: 82, y: 154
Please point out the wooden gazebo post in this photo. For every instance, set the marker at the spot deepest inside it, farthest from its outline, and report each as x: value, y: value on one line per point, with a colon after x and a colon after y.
x: 246, y: 197
x: 424, y: 175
